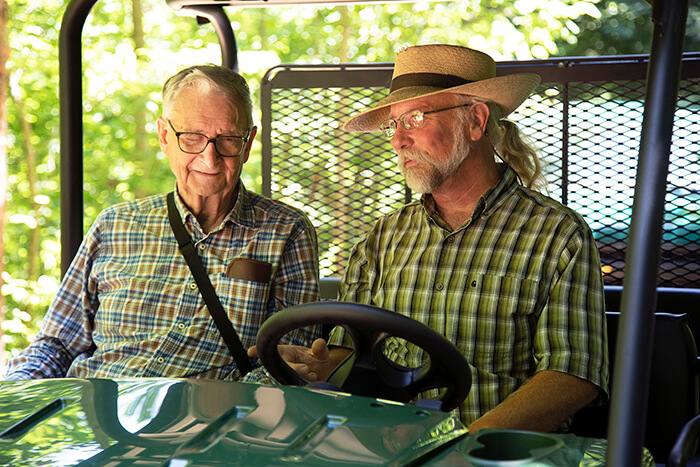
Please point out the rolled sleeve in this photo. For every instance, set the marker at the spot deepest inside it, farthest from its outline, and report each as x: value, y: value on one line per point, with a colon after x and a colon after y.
x: 571, y: 332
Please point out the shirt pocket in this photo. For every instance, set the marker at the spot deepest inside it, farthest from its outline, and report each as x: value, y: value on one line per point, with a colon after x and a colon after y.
x: 501, y: 316
x: 244, y: 301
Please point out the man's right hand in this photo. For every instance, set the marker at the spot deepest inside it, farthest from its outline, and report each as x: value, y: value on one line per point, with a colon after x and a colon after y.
x: 313, y: 364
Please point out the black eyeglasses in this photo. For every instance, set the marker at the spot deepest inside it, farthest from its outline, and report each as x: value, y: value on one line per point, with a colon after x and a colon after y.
x: 410, y: 120
x: 196, y: 143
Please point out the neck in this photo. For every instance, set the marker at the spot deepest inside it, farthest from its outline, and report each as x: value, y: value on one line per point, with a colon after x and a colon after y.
x: 210, y: 211
x: 457, y: 197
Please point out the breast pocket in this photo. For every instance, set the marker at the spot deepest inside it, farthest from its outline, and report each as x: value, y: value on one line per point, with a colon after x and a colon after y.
x: 244, y: 301
x: 501, y: 315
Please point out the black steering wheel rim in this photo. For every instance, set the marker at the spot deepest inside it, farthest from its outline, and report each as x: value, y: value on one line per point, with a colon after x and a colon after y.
x: 369, y: 326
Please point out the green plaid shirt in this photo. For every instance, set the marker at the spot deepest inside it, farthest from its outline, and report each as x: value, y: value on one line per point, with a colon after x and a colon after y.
x: 517, y: 288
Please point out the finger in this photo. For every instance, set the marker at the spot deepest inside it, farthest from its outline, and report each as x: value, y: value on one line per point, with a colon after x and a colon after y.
x: 319, y: 349
x: 311, y: 377
x: 253, y: 352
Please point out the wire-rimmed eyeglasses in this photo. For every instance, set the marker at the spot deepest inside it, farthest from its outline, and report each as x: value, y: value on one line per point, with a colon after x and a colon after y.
x: 410, y: 120
x: 196, y: 143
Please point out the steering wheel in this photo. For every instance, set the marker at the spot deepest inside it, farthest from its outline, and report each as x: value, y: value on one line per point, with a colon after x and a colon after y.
x: 368, y: 372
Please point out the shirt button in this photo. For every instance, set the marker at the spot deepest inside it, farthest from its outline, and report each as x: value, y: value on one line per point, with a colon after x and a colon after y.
x: 160, y: 359
x: 193, y: 285
x: 181, y: 325
x: 439, y: 286
x: 202, y: 246
x: 450, y: 239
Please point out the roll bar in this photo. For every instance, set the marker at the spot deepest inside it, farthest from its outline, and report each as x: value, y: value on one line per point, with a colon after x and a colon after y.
x: 633, y: 352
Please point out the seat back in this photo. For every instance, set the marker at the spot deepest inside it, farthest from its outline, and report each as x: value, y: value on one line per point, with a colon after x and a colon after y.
x: 329, y: 287
x: 668, y: 300
x: 673, y: 387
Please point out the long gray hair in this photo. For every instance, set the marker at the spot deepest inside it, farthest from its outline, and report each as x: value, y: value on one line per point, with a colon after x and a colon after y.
x: 509, y: 144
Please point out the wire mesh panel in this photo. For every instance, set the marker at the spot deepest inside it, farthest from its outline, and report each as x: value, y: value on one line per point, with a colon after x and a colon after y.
x: 680, y: 249
x: 585, y: 117
x: 588, y: 134
x: 343, y: 181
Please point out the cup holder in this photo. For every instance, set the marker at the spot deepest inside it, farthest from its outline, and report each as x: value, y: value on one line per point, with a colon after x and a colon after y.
x: 511, y: 447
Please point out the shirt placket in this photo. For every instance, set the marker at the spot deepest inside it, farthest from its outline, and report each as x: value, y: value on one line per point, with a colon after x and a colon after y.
x: 189, y: 303
x: 443, y: 276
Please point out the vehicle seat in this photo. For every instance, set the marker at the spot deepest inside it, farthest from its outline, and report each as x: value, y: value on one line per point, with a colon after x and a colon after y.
x: 668, y: 300
x: 329, y: 288
x: 673, y: 388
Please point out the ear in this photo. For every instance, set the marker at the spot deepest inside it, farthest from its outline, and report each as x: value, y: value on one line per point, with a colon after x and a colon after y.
x: 163, y: 130
x: 480, y: 116
x: 249, y: 144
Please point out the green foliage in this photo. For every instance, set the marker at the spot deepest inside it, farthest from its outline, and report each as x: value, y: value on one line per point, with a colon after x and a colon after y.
x: 623, y: 27
x: 122, y: 159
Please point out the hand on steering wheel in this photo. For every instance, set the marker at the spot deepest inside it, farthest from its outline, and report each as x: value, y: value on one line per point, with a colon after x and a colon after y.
x: 369, y: 371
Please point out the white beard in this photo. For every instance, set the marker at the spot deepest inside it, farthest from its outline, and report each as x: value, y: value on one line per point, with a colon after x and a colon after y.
x: 429, y: 175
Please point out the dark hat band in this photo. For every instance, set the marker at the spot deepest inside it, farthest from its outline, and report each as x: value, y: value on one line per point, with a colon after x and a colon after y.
x: 427, y: 79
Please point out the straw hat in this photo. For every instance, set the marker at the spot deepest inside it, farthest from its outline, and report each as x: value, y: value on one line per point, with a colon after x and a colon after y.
x: 426, y: 70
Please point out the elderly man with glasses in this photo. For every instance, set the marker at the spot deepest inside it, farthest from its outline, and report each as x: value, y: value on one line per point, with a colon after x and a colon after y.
x: 129, y: 305
x: 510, y: 276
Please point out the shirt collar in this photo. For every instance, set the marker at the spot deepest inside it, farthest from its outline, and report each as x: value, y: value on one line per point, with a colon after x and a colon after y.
x: 496, y: 195
x: 242, y: 212
x: 488, y: 201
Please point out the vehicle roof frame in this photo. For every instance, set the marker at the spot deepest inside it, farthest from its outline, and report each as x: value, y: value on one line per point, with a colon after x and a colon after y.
x: 638, y: 297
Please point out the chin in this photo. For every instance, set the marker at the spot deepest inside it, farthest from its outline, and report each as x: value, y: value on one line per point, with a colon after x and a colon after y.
x: 418, y: 183
x: 417, y: 187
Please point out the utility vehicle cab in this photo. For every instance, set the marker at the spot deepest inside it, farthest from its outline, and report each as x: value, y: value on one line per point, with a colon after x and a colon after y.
x: 588, y: 114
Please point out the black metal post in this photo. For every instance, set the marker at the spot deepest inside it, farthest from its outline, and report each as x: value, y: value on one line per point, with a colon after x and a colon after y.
x: 71, y: 131
x: 224, y: 32
x: 629, y: 398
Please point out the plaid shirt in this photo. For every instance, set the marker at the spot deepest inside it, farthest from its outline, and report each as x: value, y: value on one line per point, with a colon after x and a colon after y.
x: 129, y: 307
x: 517, y: 288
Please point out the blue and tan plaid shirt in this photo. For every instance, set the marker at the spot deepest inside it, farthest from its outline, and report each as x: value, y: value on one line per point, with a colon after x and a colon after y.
x: 517, y: 288
x: 129, y: 307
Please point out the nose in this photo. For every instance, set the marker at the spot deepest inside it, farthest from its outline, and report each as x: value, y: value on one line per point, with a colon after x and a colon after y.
x: 401, y: 139
x: 209, y: 155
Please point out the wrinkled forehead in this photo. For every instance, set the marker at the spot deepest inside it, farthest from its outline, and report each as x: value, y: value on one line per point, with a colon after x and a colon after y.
x: 211, y: 103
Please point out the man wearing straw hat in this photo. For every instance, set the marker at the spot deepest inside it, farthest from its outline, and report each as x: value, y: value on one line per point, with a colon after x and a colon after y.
x: 507, y: 274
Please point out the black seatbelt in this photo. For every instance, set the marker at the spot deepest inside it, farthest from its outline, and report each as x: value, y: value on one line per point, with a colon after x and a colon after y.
x: 233, y: 342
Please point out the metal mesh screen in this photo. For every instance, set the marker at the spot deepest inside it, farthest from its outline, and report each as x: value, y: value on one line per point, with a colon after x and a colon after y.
x: 586, y: 124
x: 344, y: 182
x: 588, y: 134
